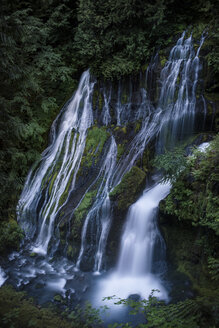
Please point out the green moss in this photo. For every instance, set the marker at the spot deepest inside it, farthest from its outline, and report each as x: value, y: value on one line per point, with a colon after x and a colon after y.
x: 124, y: 129
x: 52, y: 182
x: 127, y: 191
x: 33, y: 254
x: 163, y: 60
x: 137, y: 126
x: 66, y: 191
x: 81, y: 212
x: 71, y: 251
x: 71, y: 139
x: 120, y: 151
x: 95, y: 141
x: 124, y: 98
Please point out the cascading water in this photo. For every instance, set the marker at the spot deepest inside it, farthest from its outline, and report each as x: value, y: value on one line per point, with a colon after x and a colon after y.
x: 59, y: 165
x: 174, y: 114
x: 177, y: 100
x: 141, y: 233
x: 101, y: 210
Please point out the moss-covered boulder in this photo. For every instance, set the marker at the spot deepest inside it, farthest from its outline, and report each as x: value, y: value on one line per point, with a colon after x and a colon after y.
x: 127, y: 191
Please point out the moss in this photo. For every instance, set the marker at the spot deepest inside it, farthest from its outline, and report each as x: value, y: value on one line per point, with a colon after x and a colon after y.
x: 163, y: 60
x: 124, y: 129
x: 124, y: 98
x: 120, y: 151
x: 52, y: 182
x: 66, y: 191
x: 71, y: 139
x: 33, y: 254
x: 127, y: 191
x: 71, y: 251
x: 95, y: 141
x: 137, y: 126
x: 81, y: 212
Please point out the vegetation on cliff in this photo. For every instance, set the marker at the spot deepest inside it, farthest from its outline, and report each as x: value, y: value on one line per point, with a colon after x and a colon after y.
x: 189, y: 222
x: 194, y: 195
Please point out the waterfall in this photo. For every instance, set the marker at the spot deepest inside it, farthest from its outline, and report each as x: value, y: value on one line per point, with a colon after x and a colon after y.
x: 141, y: 233
x: 100, y: 211
x: 177, y: 100
x: 52, y: 181
x: 106, y: 118
x: 59, y: 166
x: 170, y: 121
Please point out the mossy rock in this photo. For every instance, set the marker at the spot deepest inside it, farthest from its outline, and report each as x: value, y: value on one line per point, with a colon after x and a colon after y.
x: 127, y: 191
x: 72, y: 251
x: 120, y: 151
x: 81, y: 212
x: 96, y: 138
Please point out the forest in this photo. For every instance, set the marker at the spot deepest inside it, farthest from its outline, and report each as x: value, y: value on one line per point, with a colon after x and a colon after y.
x: 45, y: 46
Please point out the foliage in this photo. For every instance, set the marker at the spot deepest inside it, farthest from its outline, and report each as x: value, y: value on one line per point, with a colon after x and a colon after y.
x: 124, y: 34
x: 16, y: 310
x: 171, y: 163
x: 126, y: 192
x: 213, y: 267
x: 95, y: 141
x: 36, y: 76
x: 194, y: 194
x: 159, y: 315
x: 81, y: 211
x: 10, y: 236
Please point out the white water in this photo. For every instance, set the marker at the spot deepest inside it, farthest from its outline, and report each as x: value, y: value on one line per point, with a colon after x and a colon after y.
x: 3, y: 277
x: 62, y: 158
x: 179, y: 79
x: 134, y: 274
x: 101, y: 210
x: 140, y: 233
